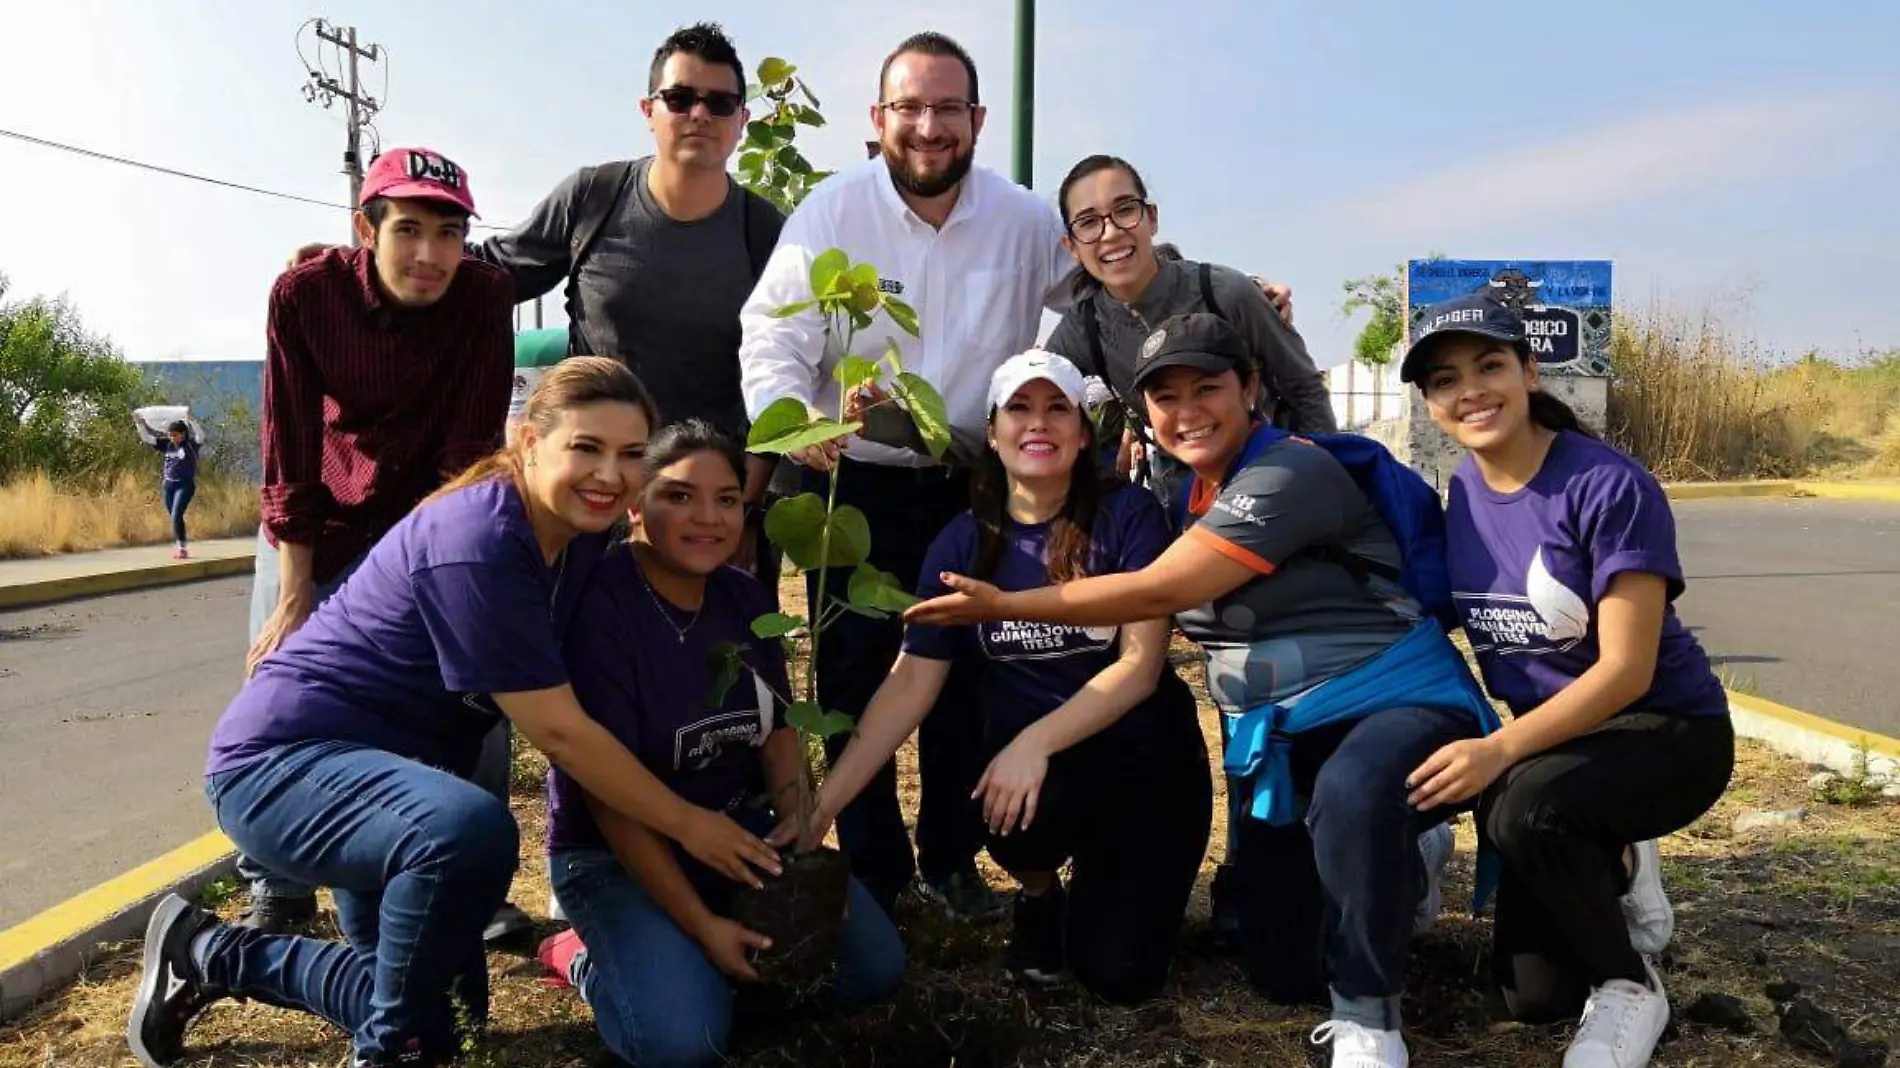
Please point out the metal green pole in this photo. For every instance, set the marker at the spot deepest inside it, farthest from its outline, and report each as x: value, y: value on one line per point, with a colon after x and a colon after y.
x: 1023, y: 150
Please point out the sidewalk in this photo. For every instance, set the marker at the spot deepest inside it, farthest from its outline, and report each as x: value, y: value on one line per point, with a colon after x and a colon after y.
x: 59, y: 578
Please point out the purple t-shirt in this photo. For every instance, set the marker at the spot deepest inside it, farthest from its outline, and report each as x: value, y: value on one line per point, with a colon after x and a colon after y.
x: 648, y: 685
x: 1528, y: 569
x: 456, y: 602
x: 1030, y: 669
x: 181, y: 461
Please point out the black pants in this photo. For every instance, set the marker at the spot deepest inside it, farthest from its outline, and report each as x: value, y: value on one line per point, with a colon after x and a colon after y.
x: 1136, y: 829
x: 1562, y: 820
x: 906, y: 509
x: 1332, y: 900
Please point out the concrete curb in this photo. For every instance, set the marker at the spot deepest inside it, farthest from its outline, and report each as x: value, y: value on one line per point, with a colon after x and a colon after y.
x: 1840, y: 491
x: 29, y: 594
x: 50, y: 949
x: 1810, y: 738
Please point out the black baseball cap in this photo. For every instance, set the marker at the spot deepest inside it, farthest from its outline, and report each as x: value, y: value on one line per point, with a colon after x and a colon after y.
x: 1479, y: 313
x: 1199, y: 340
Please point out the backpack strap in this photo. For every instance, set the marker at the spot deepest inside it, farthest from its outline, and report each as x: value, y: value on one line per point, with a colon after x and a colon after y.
x: 603, y: 189
x: 761, y: 236
x: 1207, y: 289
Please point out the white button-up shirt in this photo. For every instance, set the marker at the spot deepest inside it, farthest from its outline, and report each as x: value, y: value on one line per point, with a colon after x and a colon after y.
x: 978, y: 284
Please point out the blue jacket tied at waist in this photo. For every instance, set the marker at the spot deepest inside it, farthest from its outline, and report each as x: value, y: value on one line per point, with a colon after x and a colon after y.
x: 1421, y: 669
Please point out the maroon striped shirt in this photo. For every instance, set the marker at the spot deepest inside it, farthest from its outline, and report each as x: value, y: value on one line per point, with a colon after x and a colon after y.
x: 369, y: 406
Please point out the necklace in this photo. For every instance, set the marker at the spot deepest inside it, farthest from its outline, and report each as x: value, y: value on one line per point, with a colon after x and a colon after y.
x: 554, y: 595
x: 661, y: 605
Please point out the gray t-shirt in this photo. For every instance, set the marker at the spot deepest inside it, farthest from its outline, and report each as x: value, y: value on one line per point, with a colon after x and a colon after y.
x: 1306, y: 617
x: 1293, y: 382
x: 662, y: 295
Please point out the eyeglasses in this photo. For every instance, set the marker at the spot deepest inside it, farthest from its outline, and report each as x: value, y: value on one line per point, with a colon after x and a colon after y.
x: 679, y: 99
x: 1126, y: 215
x: 913, y: 110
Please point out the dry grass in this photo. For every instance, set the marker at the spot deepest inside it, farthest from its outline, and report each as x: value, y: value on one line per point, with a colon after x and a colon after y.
x: 1818, y: 903
x: 1693, y: 401
x: 39, y: 517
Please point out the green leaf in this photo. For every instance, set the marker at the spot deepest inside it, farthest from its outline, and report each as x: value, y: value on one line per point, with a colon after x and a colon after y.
x: 926, y: 410
x: 871, y: 588
x: 773, y: 70
x: 803, y: 437
x: 759, y: 134
x: 832, y: 724
x: 802, y: 88
x: 797, y: 525
x: 860, y: 610
x: 826, y: 270
x: 805, y: 717
x: 902, y: 314
x: 723, y: 661
x: 793, y: 160
x: 783, y: 416
x: 808, y: 116
x: 753, y: 90
x: 788, y: 310
x: 776, y: 625
x: 853, y: 370
x: 893, y: 356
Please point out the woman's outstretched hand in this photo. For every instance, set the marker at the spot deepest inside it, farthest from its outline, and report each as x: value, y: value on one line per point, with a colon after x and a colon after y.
x: 973, y: 601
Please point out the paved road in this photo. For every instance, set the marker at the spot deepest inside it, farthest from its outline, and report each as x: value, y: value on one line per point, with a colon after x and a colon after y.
x: 106, y: 708
x: 1799, y: 601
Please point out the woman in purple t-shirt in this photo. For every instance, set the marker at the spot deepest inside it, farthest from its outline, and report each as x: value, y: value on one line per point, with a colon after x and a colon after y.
x: 1562, y: 555
x: 652, y: 947
x: 344, y: 760
x: 1096, y: 753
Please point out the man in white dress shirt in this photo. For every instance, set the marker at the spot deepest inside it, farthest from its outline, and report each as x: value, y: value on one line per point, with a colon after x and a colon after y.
x: 979, y: 258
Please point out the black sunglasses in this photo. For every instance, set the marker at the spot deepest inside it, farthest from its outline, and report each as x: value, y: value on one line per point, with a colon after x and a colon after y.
x: 679, y: 100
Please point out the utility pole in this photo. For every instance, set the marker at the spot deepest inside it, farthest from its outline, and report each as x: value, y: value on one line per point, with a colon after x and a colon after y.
x: 361, y: 106
x: 1023, y: 152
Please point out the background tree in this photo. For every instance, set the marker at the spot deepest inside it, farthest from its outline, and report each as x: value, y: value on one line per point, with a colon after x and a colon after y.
x: 66, y: 394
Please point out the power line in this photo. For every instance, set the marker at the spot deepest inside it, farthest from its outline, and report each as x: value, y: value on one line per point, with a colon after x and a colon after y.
x: 108, y: 157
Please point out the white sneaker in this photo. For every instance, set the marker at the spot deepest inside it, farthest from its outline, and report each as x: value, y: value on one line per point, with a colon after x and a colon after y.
x: 1621, y: 1023
x: 1646, y: 909
x: 1435, y: 847
x: 1355, y: 1046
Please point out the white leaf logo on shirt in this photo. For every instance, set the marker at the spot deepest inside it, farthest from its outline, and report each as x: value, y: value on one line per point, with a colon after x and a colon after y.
x: 1566, y: 616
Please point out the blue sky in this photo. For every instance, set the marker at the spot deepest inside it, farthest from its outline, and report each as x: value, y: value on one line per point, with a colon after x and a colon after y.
x: 1745, y: 163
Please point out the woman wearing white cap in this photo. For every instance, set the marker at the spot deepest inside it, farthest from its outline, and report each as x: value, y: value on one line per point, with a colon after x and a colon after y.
x: 1562, y: 554
x: 1097, y: 757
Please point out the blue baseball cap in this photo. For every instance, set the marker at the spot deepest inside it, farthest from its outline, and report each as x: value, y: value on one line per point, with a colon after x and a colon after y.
x: 1479, y: 314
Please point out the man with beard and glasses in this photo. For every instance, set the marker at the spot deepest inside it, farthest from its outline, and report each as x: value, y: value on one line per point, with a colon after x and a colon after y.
x: 979, y: 258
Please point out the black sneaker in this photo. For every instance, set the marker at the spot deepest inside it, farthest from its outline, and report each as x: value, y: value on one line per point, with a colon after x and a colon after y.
x: 1223, y: 918
x: 508, y: 921
x: 964, y: 895
x: 279, y: 915
x: 171, y: 993
x: 1035, y: 937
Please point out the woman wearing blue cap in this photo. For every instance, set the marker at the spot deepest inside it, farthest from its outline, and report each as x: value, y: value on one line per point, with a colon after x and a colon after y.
x: 1562, y: 556
x: 1334, y: 679
x: 1097, y: 755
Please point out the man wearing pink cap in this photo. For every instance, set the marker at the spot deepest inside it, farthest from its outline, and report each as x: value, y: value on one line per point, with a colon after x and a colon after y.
x: 388, y: 370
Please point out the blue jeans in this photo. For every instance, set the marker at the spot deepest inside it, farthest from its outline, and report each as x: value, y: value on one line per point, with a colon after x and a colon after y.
x: 418, y: 859
x: 657, y: 998
x: 1331, y: 900
x: 177, y: 497
x: 491, y: 771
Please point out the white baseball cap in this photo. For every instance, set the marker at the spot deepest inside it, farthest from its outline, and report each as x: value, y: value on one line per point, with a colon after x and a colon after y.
x: 1024, y: 368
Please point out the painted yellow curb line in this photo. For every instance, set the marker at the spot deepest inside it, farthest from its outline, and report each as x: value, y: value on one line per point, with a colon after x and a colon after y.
x: 76, y: 916
x: 1855, y: 737
x: 27, y: 594
x: 1840, y: 491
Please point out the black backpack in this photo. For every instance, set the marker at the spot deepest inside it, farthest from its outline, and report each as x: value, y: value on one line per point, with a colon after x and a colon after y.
x: 601, y: 190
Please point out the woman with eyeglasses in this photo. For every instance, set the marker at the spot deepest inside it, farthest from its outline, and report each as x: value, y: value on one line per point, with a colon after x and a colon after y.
x: 1130, y: 287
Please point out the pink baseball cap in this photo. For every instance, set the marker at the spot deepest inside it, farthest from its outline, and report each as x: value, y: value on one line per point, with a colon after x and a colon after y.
x: 419, y: 173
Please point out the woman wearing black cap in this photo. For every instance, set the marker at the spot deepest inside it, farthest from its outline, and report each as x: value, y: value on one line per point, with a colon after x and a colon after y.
x: 1562, y: 556
x: 1281, y: 579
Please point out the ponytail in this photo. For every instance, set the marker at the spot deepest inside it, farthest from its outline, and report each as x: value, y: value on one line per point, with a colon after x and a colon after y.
x: 1552, y: 414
